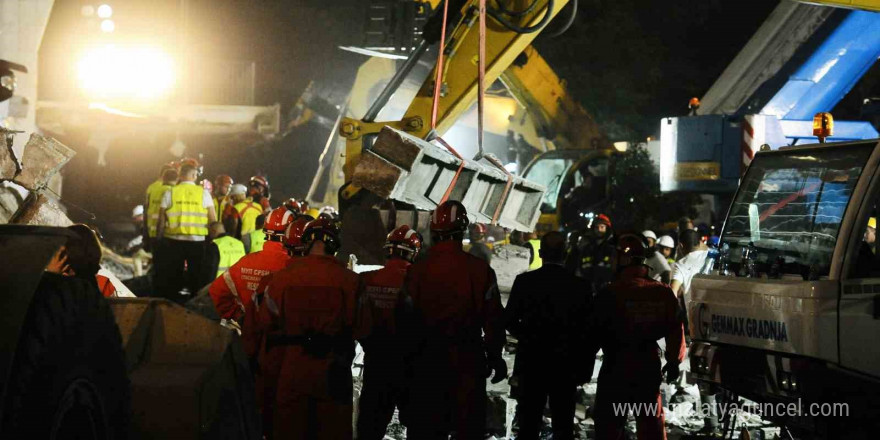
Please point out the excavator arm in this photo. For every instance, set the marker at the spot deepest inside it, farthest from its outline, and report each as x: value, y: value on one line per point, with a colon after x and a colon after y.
x: 547, y: 105
x: 504, y: 43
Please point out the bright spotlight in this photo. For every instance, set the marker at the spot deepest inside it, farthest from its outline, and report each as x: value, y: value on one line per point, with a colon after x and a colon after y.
x: 108, y: 26
x: 105, y: 11
x: 111, y: 72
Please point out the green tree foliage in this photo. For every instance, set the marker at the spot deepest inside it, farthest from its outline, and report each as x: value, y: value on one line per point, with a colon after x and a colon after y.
x: 636, y: 202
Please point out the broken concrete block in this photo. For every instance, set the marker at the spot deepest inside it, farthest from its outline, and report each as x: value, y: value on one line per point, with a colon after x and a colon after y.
x: 39, y: 209
x: 43, y: 158
x: 408, y: 169
x: 8, y: 162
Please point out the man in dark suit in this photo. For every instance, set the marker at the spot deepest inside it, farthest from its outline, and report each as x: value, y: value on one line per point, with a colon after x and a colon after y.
x: 547, y: 313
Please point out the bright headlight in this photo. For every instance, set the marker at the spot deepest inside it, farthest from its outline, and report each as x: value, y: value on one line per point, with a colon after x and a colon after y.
x: 111, y: 72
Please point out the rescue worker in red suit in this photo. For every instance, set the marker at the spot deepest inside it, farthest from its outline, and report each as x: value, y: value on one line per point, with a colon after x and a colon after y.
x: 383, y: 357
x: 232, y: 291
x: 308, y: 311
x: 258, y: 192
x: 265, y: 360
x: 295, y: 206
x: 629, y: 316
x: 455, y: 317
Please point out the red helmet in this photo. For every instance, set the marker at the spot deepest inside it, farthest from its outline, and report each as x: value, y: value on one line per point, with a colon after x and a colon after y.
x: 323, y: 229
x: 261, y: 181
x: 603, y: 219
x: 294, y: 206
x: 449, y: 217
x: 404, y: 241
x: 631, y: 249
x: 223, y: 179
x: 277, y: 221
x: 293, y: 237
x: 480, y: 229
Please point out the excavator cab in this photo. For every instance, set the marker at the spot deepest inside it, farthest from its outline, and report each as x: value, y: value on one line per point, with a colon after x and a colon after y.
x: 577, y: 185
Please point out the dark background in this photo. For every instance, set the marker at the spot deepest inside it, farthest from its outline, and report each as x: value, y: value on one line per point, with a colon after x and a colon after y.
x: 629, y: 62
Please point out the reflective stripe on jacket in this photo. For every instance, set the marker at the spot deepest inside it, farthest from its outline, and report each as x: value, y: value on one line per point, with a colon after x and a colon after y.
x: 232, y: 291
x: 231, y: 250
x: 187, y: 216
x: 249, y: 211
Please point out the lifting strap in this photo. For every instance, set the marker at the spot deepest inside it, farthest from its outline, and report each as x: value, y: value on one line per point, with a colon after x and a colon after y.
x: 438, y: 83
x: 507, y: 186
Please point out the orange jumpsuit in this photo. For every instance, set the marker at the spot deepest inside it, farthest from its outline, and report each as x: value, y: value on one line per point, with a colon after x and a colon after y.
x: 232, y: 291
x: 383, y: 353
x: 309, y: 312
x: 630, y: 315
x: 455, y: 321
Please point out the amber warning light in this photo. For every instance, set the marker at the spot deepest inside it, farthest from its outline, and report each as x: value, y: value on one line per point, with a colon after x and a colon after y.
x: 823, y: 126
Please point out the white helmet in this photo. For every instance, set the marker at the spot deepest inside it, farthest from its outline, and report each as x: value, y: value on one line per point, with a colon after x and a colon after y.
x: 649, y: 234
x: 237, y: 189
x: 666, y: 241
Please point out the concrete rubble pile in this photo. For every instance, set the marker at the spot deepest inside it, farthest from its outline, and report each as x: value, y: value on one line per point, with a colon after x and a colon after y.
x: 27, y: 196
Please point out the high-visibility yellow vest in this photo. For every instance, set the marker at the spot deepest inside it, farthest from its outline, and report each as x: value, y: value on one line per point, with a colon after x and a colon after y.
x: 537, y: 262
x: 154, y: 203
x: 187, y: 216
x: 231, y: 250
x: 220, y: 204
x: 249, y: 211
x: 258, y: 239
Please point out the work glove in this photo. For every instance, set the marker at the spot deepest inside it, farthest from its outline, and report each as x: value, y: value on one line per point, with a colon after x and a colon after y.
x: 671, y: 372
x: 231, y: 325
x: 497, y: 369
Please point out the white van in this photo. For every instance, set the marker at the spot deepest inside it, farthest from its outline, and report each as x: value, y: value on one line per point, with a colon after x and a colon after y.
x: 790, y: 313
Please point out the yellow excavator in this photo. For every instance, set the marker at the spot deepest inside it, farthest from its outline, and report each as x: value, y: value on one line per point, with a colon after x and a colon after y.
x: 571, y: 152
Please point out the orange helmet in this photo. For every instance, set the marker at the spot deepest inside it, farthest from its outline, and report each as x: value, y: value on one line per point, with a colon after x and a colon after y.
x: 277, y: 222
x: 188, y: 161
x: 450, y: 217
x: 405, y: 242
x: 223, y: 179
x: 293, y: 237
x: 323, y: 229
x: 294, y: 206
x: 169, y: 166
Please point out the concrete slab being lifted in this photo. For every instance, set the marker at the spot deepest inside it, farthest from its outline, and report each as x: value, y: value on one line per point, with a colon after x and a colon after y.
x: 411, y: 170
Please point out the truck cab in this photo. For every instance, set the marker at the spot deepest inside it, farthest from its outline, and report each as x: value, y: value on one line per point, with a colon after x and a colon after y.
x: 789, y: 310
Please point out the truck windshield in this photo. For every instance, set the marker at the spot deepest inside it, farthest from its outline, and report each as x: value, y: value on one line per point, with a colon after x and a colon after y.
x: 549, y: 172
x: 790, y: 206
